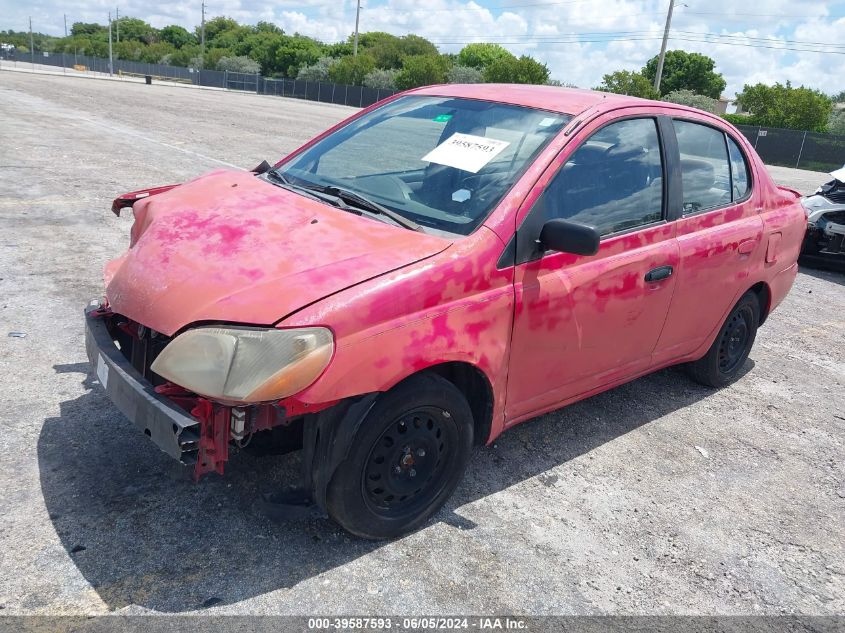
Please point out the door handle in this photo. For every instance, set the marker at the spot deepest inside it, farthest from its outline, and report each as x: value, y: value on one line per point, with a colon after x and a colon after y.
x: 658, y: 274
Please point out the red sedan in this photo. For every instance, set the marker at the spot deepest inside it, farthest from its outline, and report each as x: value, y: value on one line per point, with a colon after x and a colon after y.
x: 431, y: 271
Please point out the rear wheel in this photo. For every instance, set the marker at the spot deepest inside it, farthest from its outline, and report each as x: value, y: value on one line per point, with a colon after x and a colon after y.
x: 405, y: 461
x: 725, y: 358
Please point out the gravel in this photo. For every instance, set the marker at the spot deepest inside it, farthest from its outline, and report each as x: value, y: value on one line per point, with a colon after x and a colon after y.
x: 658, y: 497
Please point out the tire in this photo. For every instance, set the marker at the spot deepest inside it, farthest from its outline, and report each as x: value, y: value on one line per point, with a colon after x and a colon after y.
x: 725, y: 358
x: 419, y: 432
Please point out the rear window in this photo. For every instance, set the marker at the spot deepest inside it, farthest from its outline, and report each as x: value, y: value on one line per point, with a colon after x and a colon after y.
x: 741, y: 182
x: 705, y: 169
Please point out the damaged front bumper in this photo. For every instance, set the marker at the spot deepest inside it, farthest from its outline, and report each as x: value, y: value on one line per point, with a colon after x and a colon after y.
x: 188, y: 427
x: 824, y: 242
x: 170, y: 427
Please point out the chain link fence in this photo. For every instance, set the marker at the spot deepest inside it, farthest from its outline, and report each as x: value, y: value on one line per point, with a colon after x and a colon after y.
x: 324, y: 92
x: 796, y: 148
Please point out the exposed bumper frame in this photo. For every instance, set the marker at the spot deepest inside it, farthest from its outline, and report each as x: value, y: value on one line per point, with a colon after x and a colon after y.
x: 171, y: 429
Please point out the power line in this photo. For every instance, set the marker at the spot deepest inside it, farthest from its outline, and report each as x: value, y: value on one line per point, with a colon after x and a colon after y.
x: 703, y: 38
x: 621, y: 35
x: 762, y: 15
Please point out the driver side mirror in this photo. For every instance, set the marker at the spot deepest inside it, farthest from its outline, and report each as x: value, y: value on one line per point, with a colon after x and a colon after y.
x: 569, y: 237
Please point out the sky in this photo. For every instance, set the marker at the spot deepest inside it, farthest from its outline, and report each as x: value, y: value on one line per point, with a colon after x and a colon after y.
x: 579, y: 40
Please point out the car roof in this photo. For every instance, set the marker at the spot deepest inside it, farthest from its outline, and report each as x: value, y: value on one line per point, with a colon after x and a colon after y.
x: 564, y: 100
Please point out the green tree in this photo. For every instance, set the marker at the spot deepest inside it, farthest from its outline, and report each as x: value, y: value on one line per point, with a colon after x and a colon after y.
x: 525, y: 70
x: 239, y: 64
x: 230, y: 38
x: 216, y: 26
x: 154, y: 53
x: 268, y: 27
x: 482, y: 55
x: 464, y: 75
x: 388, y: 50
x: 261, y: 47
x: 294, y: 52
x: 338, y: 49
x: 318, y: 71
x: 383, y: 78
x: 422, y: 70
x: 176, y: 35
x: 836, y: 122
x: 351, y: 70
x: 212, y: 56
x: 134, y: 29
x: 87, y: 28
x: 689, y: 98
x: 787, y: 107
x: 416, y: 45
x: 686, y: 71
x: 626, y: 82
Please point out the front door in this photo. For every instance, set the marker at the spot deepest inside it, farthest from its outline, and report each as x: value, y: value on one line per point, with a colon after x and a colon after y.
x: 581, y: 322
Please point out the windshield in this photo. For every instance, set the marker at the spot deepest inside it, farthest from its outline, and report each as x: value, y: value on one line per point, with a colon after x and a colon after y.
x: 441, y: 162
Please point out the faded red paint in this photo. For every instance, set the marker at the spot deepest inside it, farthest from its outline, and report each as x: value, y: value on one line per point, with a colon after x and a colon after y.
x: 230, y: 247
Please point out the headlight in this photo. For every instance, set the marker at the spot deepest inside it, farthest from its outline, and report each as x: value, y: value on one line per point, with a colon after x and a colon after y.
x: 246, y: 364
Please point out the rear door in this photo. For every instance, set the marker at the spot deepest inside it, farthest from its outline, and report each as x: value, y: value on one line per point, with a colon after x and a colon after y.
x: 720, y: 236
x: 582, y: 322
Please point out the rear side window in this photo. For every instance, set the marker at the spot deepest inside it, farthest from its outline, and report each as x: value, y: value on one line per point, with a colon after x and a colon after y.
x: 705, y: 170
x: 613, y: 182
x: 739, y: 171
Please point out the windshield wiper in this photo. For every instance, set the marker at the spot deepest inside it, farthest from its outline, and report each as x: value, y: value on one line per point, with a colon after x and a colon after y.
x: 287, y: 184
x: 363, y: 202
x: 334, y: 195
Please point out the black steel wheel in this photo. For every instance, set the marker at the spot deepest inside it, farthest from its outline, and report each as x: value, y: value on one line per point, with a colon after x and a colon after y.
x: 729, y: 351
x: 733, y: 339
x: 405, y: 460
x: 409, y: 461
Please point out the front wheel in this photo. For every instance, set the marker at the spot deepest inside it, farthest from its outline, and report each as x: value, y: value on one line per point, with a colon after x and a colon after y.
x: 405, y: 461
x: 725, y: 358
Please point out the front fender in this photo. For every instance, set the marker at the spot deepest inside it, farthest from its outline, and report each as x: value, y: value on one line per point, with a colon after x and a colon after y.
x: 476, y: 332
x: 453, y: 306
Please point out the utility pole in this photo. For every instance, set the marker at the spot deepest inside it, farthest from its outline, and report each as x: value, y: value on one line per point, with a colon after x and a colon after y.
x: 202, y: 37
x: 117, y: 23
x: 65, y: 24
x: 111, y: 59
x: 663, y: 47
x: 357, y: 17
x: 31, y: 45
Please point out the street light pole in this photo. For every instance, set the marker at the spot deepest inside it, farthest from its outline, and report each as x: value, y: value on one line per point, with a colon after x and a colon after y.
x: 202, y: 37
x: 662, y: 57
x: 65, y: 24
x: 117, y: 23
x: 31, y: 46
x: 111, y: 59
x: 357, y: 17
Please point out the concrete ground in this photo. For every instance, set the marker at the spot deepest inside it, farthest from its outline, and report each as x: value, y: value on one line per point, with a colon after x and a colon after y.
x: 658, y: 497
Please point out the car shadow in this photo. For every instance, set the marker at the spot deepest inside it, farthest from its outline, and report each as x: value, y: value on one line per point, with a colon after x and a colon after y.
x: 825, y: 271
x: 142, y: 533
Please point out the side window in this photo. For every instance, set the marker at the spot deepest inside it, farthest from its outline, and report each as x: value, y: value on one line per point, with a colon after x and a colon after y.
x: 613, y: 182
x: 705, y: 171
x: 739, y: 171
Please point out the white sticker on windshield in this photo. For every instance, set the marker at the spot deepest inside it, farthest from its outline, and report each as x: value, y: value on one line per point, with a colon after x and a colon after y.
x: 465, y: 151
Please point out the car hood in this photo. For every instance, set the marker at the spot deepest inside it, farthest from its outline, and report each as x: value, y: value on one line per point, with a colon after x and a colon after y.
x: 229, y: 246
